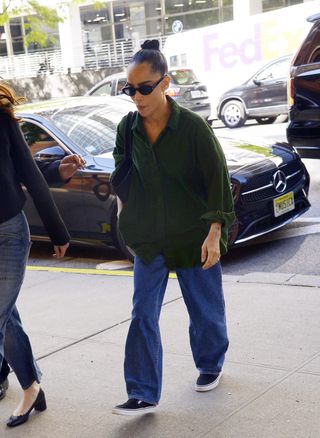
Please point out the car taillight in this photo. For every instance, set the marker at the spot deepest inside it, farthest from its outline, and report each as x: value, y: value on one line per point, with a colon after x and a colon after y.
x: 290, y: 91
x: 172, y: 91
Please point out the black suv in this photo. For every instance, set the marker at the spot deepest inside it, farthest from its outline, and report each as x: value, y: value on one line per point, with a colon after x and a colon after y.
x: 303, y: 130
x: 262, y: 97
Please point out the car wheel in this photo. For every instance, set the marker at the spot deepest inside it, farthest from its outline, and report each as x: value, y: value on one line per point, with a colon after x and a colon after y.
x: 118, y: 240
x: 265, y: 120
x: 233, y: 114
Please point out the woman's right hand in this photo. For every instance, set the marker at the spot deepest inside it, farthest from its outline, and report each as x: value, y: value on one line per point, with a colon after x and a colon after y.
x: 60, y: 250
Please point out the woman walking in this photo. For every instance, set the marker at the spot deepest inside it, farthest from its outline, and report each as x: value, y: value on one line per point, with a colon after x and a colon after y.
x: 18, y: 167
x: 176, y: 217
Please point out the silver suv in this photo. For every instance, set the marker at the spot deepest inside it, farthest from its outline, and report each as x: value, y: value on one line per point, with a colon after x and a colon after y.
x: 184, y: 88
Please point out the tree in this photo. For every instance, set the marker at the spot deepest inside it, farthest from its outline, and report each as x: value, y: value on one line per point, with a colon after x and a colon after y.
x: 37, y: 18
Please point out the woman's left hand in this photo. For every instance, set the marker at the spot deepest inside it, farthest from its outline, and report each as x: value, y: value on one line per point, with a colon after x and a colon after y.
x: 60, y: 250
x: 210, y: 250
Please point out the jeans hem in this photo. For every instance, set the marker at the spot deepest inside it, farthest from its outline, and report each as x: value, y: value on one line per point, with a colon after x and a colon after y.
x: 209, y: 371
x: 139, y: 397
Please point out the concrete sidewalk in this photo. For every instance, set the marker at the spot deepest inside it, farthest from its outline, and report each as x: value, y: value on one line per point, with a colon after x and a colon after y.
x: 78, y: 324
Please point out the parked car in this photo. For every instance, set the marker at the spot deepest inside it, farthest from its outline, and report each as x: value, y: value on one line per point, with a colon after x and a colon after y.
x: 303, y: 130
x: 184, y: 88
x: 263, y: 97
x: 269, y: 183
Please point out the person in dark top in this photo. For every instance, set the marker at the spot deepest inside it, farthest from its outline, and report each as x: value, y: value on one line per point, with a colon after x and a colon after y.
x: 17, y: 167
x: 177, y: 217
x: 57, y: 172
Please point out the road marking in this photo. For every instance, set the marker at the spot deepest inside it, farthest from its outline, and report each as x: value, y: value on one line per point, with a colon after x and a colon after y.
x: 118, y: 273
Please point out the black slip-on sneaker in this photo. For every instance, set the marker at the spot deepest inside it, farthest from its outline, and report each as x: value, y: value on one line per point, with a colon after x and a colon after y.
x: 206, y: 382
x: 134, y: 407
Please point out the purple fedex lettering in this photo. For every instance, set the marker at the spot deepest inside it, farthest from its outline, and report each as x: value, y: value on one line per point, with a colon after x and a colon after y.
x: 208, y: 50
x: 250, y: 49
x: 229, y: 53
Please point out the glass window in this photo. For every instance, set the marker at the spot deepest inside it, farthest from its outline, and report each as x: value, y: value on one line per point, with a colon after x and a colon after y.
x: 104, y: 90
x: 194, y: 20
x: 275, y: 71
x: 315, y: 56
x: 91, y: 129
x: 183, y: 77
x: 36, y: 137
x: 121, y: 83
x: 269, y: 5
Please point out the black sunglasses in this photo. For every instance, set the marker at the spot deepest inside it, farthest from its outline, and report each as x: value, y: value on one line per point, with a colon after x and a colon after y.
x: 129, y: 90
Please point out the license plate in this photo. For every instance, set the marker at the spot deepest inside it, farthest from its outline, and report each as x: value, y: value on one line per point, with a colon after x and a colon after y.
x: 195, y: 94
x: 283, y: 204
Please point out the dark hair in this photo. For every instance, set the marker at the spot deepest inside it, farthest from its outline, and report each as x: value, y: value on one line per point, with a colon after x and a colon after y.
x: 150, y: 53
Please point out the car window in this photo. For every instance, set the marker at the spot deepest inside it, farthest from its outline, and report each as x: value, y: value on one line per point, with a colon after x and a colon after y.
x: 183, y: 77
x: 37, y: 138
x: 315, y: 56
x: 104, y: 90
x: 120, y: 85
x: 275, y: 71
x: 90, y: 128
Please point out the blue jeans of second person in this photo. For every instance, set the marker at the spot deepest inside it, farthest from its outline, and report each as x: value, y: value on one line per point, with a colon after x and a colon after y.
x: 14, y: 343
x: 203, y: 296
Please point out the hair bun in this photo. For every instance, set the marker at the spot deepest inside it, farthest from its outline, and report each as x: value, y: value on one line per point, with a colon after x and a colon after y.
x: 151, y: 45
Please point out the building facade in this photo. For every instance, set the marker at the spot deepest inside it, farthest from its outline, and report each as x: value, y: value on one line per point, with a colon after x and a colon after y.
x: 132, y: 19
x: 91, y: 37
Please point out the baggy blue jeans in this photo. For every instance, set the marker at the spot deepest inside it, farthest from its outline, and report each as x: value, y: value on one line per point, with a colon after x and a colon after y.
x: 203, y: 296
x: 14, y: 343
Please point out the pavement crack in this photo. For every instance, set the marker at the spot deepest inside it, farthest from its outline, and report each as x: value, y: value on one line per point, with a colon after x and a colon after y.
x: 92, y: 335
x: 261, y: 394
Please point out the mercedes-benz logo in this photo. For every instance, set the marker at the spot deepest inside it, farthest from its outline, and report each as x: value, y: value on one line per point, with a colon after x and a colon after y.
x: 279, y: 181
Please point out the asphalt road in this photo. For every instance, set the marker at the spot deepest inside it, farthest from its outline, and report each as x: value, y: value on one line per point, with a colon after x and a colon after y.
x: 293, y: 249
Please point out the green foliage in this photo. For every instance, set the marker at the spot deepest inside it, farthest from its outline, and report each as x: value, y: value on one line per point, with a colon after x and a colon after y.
x: 36, y: 17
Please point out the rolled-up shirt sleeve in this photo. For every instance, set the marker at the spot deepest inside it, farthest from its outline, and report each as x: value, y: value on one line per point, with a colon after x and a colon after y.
x: 216, y: 180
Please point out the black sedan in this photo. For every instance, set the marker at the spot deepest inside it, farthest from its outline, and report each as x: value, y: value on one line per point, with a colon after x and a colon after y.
x: 270, y: 183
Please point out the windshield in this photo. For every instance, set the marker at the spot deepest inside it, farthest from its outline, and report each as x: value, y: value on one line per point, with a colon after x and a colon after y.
x: 92, y: 129
x: 183, y: 77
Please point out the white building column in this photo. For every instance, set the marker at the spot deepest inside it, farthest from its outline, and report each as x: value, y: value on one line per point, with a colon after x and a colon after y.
x: 245, y: 8
x: 70, y: 34
x: 7, y: 33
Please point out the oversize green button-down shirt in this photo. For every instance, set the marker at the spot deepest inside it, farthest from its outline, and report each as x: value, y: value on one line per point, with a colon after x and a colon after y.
x: 180, y: 185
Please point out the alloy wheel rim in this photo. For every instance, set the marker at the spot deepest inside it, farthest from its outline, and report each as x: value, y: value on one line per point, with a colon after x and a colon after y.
x: 232, y: 115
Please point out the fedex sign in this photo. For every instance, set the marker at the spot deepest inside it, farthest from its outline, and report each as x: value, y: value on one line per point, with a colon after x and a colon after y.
x: 266, y: 41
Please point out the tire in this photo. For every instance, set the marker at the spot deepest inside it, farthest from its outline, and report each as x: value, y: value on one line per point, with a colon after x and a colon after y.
x: 233, y: 114
x: 118, y: 240
x: 265, y: 120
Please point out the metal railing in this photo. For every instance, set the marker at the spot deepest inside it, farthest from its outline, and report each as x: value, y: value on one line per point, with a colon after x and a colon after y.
x: 45, y: 62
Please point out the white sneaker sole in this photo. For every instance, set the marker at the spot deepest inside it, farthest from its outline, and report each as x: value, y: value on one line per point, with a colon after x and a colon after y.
x: 209, y: 387
x: 134, y: 412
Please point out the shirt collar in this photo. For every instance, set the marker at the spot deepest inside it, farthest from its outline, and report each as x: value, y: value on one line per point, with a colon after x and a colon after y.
x: 173, y: 119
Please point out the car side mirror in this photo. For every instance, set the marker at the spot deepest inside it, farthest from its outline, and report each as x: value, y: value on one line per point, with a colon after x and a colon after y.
x: 256, y: 82
x: 50, y: 154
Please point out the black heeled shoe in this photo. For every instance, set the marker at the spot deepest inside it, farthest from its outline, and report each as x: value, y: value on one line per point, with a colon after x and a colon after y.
x: 39, y: 405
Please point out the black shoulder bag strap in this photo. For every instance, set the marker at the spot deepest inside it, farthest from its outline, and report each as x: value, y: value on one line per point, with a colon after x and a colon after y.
x: 128, y: 136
